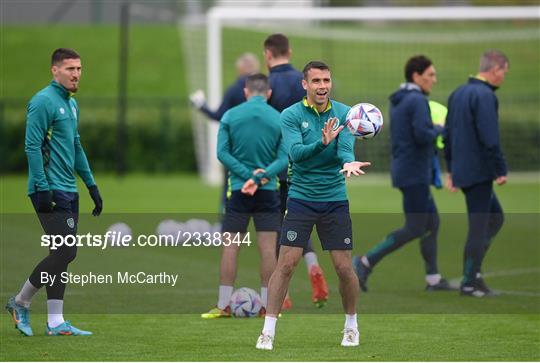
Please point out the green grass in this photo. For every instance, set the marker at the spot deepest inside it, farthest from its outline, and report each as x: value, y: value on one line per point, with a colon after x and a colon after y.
x: 399, y: 321
x: 176, y: 193
x: 301, y: 338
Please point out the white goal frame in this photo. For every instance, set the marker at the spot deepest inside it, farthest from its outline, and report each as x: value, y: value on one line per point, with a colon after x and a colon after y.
x: 218, y: 16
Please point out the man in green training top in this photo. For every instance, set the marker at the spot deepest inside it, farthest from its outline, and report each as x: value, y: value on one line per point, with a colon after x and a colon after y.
x: 250, y: 146
x: 54, y: 151
x: 317, y: 196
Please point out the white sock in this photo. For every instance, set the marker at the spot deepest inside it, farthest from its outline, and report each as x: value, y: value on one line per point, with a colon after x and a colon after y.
x: 310, y: 259
x: 269, y: 326
x: 264, y: 296
x: 55, y: 315
x: 24, y: 297
x: 433, y: 279
x: 365, y: 261
x: 224, y: 297
x: 350, y: 321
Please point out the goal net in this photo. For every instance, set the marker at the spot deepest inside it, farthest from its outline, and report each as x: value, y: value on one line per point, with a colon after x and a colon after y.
x: 366, y: 49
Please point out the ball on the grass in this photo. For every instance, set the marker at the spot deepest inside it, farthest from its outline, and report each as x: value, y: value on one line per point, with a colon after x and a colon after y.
x: 245, y: 303
x: 364, y: 121
x: 120, y: 230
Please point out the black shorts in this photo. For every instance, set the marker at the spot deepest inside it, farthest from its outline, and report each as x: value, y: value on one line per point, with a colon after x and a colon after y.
x: 263, y: 207
x: 332, y: 219
x: 64, y: 217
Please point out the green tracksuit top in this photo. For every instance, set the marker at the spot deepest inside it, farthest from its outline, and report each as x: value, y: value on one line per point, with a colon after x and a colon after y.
x: 52, y: 142
x: 314, y: 174
x: 249, y: 137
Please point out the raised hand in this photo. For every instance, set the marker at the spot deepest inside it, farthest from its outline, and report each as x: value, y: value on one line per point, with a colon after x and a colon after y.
x: 328, y: 132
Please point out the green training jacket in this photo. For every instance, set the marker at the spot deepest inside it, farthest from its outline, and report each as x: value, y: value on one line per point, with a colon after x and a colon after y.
x: 249, y: 137
x: 314, y: 174
x: 52, y: 143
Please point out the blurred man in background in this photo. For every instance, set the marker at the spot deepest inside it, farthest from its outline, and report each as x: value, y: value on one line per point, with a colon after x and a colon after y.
x: 247, y: 64
x: 474, y: 160
x: 413, y: 138
x: 286, y: 84
x: 54, y: 151
x: 250, y: 146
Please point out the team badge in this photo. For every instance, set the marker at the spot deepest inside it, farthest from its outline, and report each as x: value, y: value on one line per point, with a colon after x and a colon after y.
x: 347, y: 241
x: 62, y: 111
x: 305, y: 124
x: 336, y: 125
x: 291, y: 235
x: 70, y: 222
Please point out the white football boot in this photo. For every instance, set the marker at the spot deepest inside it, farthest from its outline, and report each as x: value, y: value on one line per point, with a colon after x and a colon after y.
x: 351, y: 338
x: 265, y: 342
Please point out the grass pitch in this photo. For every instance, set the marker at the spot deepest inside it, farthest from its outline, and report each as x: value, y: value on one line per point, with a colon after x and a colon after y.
x: 398, y: 320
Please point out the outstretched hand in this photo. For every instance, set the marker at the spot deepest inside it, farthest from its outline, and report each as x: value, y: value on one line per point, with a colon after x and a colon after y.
x: 328, y: 131
x: 354, y: 168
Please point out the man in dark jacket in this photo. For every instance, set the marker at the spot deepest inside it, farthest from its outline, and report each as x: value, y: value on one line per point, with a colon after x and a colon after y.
x: 413, y: 137
x: 474, y: 160
x: 247, y: 64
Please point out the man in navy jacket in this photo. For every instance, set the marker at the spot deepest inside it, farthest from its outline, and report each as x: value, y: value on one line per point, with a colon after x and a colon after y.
x: 474, y: 159
x: 413, y: 138
x: 246, y: 65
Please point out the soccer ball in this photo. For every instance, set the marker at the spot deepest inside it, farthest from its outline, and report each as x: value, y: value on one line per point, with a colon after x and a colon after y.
x: 168, y: 227
x: 120, y: 230
x: 364, y: 120
x: 197, y: 225
x: 245, y: 303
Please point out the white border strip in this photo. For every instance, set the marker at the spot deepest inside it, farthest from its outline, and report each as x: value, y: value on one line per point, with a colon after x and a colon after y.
x: 377, y: 13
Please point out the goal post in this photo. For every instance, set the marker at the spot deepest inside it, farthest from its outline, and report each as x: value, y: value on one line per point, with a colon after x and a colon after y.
x: 219, y: 17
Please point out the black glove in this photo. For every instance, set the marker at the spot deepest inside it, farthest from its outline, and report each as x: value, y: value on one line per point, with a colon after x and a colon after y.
x: 44, y: 202
x: 96, y: 197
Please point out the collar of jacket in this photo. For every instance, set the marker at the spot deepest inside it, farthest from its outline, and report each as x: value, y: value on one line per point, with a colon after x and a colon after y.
x: 482, y: 80
x: 314, y: 109
x: 410, y: 86
x: 281, y: 67
x: 61, y: 90
x: 257, y: 99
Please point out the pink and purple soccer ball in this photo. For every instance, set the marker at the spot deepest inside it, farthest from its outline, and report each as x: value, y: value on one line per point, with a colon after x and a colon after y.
x: 245, y: 303
x: 364, y: 121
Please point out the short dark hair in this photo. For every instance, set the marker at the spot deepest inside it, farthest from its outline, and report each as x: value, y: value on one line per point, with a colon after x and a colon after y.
x: 63, y: 53
x: 492, y: 58
x: 314, y: 64
x: 257, y: 83
x: 277, y: 44
x: 417, y: 64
